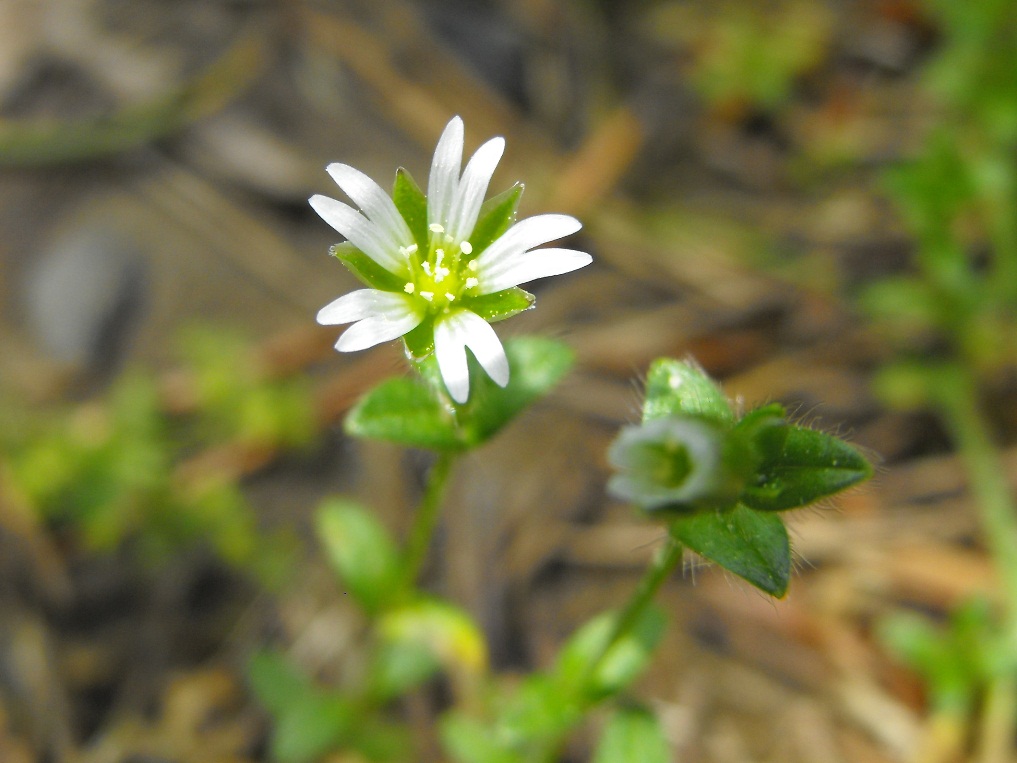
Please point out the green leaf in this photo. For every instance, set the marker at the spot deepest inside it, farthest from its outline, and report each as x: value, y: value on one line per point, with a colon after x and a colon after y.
x: 448, y: 635
x: 633, y: 734
x: 675, y: 387
x: 308, y: 720
x: 412, y: 205
x: 800, y: 466
x: 536, y: 364
x: 367, y: 270
x: 496, y: 215
x: 405, y: 411
x: 275, y: 681
x: 361, y: 551
x: 500, y: 305
x: 467, y: 740
x: 310, y: 727
x: 537, y: 716
x: 753, y: 545
x: 619, y: 666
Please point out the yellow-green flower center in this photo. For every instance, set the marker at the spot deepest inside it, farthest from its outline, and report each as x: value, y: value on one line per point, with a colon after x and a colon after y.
x: 443, y: 273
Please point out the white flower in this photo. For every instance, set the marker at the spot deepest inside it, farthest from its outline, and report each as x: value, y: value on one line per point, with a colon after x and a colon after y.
x: 439, y: 274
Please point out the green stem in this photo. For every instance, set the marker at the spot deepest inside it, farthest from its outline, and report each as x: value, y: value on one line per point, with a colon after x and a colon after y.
x: 958, y: 401
x: 426, y: 520
x: 664, y: 561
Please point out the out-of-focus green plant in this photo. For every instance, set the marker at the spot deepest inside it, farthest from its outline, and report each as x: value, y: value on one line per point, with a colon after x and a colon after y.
x: 108, y: 472
x: 954, y: 320
x: 745, y: 56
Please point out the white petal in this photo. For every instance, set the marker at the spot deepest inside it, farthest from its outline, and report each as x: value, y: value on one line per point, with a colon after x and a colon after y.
x: 472, y: 188
x: 361, y: 304
x: 527, y: 234
x: 372, y: 199
x: 376, y: 329
x: 452, y: 334
x: 540, y: 263
x: 444, y: 178
x: 360, y: 232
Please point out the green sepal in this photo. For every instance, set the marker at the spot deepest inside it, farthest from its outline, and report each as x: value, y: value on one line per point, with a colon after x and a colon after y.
x: 537, y: 364
x: 753, y: 545
x: 633, y: 733
x: 361, y: 552
x: 495, y: 217
x: 615, y: 669
x: 800, y: 466
x: 500, y: 305
x: 743, y: 452
x: 406, y: 411
x: 369, y: 272
x: 419, y: 342
x: 676, y: 388
x: 412, y: 206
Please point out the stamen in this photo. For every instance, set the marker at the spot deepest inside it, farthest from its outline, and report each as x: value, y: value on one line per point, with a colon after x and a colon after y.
x: 466, y: 247
x: 450, y: 296
x: 410, y: 287
x: 471, y: 282
x: 472, y: 265
x: 428, y: 295
x: 411, y: 249
x: 439, y: 255
x: 427, y: 268
x: 436, y: 228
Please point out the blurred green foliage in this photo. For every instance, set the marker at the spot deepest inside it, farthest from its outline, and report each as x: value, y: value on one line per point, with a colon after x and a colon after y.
x: 745, y: 57
x: 108, y: 472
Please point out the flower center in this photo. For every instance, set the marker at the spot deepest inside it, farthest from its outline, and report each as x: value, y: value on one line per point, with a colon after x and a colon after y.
x: 443, y: 273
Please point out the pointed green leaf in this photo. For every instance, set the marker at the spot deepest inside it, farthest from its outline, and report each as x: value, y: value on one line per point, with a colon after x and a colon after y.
x: 619, y: 666
x: 500, y: 305
x: 405, y: 411
x: 361, y: 552
x: 496, y: 215
x: 753, y: 545
x: 412, y: 205
x: 536, y: 364
x: 675, y: 387
x: 633, y: 734
x: 800, y: 466
x: 367, y: 270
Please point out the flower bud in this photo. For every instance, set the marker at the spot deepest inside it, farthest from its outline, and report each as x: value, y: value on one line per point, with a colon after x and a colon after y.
x: 675, y: 462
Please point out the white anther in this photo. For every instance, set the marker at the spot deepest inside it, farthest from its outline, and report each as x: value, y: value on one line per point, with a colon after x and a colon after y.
x: 410, y: 287
x: 466, y: 247
x: 471, y: 282
x: 428, y: 295
x: 436, y: 228
x: 450, y: 296
x: 411, y: 249
x: 472, y: 265
x: 427, y: 268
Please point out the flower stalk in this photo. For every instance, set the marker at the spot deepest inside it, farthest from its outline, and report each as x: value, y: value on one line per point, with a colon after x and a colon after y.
x: 425, y: 521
